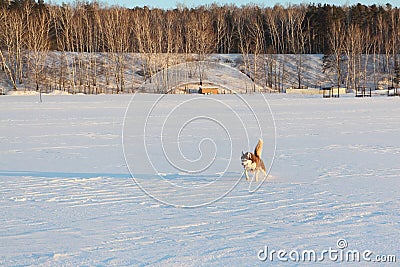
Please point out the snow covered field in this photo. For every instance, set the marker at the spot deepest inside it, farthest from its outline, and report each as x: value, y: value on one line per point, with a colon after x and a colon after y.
x: 67, y: 197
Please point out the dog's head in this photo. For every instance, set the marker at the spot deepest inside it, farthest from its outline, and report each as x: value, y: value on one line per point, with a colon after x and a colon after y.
x: 247, y: 159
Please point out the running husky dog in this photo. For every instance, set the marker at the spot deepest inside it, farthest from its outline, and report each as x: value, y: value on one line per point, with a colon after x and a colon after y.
x: 253, y: 162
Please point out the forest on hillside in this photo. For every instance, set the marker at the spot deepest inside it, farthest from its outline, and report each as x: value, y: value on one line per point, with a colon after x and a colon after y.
x: 349, y: 37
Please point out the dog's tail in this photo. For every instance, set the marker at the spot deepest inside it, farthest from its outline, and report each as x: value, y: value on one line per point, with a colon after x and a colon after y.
x: 258, y: 149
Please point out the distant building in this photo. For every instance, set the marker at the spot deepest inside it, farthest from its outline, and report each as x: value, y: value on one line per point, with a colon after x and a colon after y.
x: 192, y: 91
x: 208, y: 90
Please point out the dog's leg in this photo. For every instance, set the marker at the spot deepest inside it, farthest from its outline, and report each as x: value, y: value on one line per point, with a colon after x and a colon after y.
x: 247, y: 175
x: 256, y: 174
x: 265, y: 174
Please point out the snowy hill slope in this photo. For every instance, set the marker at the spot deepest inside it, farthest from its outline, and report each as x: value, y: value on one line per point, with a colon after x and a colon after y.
x: 95, y: 73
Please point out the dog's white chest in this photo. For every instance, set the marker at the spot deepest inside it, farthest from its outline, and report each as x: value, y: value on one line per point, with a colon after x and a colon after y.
x: 249, y: 165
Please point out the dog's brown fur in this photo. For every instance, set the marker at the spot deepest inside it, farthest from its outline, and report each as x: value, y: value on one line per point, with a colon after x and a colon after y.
x: 253, y: 162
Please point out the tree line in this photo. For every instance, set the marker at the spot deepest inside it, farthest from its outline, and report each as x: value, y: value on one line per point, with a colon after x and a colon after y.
x: 349, y: 37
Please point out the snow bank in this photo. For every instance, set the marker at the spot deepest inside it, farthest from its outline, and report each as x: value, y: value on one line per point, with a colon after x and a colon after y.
x: 27, y: 92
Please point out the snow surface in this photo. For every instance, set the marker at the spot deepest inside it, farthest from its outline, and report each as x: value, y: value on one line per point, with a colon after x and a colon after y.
x: 67, y: 197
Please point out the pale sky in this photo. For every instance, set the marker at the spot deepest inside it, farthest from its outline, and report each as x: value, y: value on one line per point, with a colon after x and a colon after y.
x: 169, y: 4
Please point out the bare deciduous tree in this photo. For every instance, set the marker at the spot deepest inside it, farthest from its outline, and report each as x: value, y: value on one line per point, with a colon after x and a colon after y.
x: 13, y: 35
x: 37, y: 44
x: 336, y: 39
